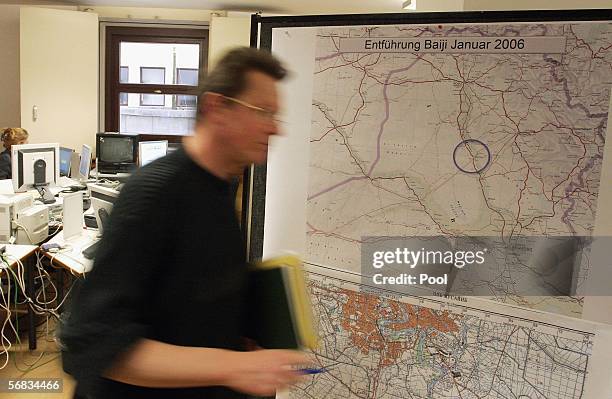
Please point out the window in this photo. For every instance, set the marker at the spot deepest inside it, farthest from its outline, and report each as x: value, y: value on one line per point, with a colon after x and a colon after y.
x: 124, y: 73
x: 152, y: 79
x: 151, y: 75
x: 186, y: 76
x: 156, y: 76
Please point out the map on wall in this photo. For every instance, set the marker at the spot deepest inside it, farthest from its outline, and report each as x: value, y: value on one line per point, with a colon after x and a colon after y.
x: 457, y: 130
x: 380, y: 345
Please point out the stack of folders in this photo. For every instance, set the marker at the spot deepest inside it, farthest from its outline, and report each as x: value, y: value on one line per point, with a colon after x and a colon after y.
x: 280, y: 312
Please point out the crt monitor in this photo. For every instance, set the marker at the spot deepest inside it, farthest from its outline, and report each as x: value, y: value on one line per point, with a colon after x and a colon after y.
x: 149, y: 151
x: 35, y: 166
x: 65, y: 158
x: 116, y: 152
x: 84, y: 163
x: 174, y: 146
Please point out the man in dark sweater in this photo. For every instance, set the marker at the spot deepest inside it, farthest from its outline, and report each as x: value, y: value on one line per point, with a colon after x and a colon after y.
x: 161, y: 314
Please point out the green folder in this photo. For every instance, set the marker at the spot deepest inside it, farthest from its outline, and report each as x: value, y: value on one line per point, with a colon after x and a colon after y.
x: 279, y: 309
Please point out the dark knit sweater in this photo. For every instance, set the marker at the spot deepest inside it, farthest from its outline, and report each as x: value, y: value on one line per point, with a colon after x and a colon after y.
x: 170, y: 267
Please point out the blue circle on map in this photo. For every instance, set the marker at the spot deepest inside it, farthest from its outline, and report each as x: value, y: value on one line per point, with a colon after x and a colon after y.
x: 464, y: 143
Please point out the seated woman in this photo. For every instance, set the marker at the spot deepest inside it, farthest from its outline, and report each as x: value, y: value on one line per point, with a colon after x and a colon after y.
x: 10, y: 136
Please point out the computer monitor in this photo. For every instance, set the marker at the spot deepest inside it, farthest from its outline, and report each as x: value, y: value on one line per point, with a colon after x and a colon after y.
x: 149, y: 151
x: 116, y: 152
x: 35, y: 166
x: 84, y: 163
x: 173, y: 147
x: 65, y: 159
x: 102, y: 200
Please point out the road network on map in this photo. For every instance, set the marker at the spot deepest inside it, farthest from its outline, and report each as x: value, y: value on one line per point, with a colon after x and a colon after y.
x: 375, y: 345
x: 457, y: 144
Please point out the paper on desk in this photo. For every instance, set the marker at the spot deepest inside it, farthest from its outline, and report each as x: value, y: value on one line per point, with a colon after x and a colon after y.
x: 6, y: 187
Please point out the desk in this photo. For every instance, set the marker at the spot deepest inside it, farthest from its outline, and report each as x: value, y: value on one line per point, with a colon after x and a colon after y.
x: 71, y: 258
x: 24, y: 253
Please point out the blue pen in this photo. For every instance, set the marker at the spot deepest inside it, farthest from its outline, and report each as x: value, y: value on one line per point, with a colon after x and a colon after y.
x: 311, y: 371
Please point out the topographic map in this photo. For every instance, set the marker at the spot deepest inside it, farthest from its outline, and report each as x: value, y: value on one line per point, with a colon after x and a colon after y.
x: 496, y: 130
x: 378, y: 345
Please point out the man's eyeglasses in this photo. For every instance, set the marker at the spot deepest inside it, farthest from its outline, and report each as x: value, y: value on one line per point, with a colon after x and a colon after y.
x: 261, y: 112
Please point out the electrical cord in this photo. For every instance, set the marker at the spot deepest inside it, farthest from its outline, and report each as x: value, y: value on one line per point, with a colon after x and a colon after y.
x: 36, y: 304
x: 4, y: 341
x: 20, y: 226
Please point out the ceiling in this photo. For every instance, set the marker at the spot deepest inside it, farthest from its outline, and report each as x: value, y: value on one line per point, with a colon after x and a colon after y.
x: 267, y: 6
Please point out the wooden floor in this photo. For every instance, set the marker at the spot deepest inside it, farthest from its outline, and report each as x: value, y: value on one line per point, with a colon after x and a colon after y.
x: 44, y: 362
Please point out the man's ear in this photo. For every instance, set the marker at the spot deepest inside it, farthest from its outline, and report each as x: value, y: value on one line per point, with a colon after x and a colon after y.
x: 210, y: 102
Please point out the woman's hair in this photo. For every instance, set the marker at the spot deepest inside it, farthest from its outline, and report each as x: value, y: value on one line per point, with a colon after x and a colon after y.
x: 12, y: 135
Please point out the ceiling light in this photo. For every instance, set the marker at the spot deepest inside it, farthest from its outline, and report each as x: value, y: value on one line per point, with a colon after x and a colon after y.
x: 409, y: 5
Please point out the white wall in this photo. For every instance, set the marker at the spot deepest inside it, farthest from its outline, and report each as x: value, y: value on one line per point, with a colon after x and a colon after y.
x: 439, y: 5
x: 225, y: 33
x: 10, y: 95
x: 138, y: 13
x: 59, y: 75
x: 9, y: 66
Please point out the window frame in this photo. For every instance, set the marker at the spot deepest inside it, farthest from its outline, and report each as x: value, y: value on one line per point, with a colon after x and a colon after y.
x: 127, y: 68
x: 115, y: 35
x: 163, y: 98
x: 178, y: 96
x: 163, y: 69
x: 184, y: 69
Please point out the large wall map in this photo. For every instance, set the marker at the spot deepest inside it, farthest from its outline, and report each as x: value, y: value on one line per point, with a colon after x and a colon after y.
x: 379, y: 345
x: 480, y: 130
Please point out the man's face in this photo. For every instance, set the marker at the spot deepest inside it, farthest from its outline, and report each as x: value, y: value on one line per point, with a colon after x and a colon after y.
x: 247, y: 129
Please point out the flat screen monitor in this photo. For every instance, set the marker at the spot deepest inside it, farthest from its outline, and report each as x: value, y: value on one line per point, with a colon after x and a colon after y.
x: 84, y: 163
x: 149, y: 151
x: 35, y: 166
x: 116, y: 153
x: 102, y: 200
x: 65, y: 158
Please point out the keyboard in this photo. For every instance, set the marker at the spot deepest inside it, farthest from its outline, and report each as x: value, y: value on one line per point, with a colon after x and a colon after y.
x: 90, y: 251
x: 66, y: 182
x: 74, y: 188
x: 112, y: 185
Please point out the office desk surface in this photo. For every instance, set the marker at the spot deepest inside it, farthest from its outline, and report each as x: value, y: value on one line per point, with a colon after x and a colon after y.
x: 18, y: 252
x: 71, y: 257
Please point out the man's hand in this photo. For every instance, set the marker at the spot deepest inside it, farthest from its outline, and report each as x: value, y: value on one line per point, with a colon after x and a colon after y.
x: 263, y: 372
